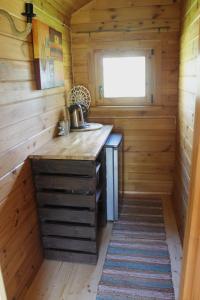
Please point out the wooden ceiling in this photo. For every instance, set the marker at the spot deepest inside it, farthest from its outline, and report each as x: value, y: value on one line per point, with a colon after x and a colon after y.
x: 68, y: 6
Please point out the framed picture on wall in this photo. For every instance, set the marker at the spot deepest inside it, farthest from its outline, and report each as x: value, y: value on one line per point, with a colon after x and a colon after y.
x: 48, y: 56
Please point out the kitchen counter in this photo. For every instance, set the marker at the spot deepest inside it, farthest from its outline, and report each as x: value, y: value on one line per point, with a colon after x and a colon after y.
x: 75, y: 146
x: 69, y: 174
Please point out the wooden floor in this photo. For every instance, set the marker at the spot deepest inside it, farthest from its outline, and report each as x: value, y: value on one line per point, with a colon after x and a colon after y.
x: 67, y: 281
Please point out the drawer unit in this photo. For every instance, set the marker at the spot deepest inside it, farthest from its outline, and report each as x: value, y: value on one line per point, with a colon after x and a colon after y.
x: 71, y: 199
x: 63, y: 199
x: 61, y: 166
x: 69, y: 244
x: 71, y: 256
x: 67, y: 215
x: 67, y: 183
x: 67, y: 230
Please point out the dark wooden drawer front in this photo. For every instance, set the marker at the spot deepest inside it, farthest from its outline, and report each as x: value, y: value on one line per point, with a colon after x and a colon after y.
x: 71, y: 256
x: 69, y: 199
x: 65, y: 183
x: 61, y: 199
x: 73, y: 167
x: 67, y: 215
x: 67, y: 230
x: 69, y: 244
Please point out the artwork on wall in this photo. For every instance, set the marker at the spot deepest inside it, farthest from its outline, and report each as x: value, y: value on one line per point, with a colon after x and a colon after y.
x: 48, y: 56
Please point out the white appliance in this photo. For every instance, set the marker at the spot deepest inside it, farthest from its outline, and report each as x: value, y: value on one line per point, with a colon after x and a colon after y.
x: 114, y: 164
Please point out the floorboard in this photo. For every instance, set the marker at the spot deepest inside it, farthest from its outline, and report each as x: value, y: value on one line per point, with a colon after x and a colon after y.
x: 67, y: 281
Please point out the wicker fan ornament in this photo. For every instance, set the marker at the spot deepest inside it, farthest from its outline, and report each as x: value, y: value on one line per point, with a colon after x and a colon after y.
x: 79, y: 95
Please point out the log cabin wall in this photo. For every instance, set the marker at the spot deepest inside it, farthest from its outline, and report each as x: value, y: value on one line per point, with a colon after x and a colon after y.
x: 188, y: 92
x: 28, y: 118
x: 149, y: 131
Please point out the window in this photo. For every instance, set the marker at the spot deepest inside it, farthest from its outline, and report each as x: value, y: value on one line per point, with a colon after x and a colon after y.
x: 124, y: 78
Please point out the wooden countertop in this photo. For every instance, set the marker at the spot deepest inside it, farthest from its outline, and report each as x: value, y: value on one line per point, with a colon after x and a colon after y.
x: 76, y: 145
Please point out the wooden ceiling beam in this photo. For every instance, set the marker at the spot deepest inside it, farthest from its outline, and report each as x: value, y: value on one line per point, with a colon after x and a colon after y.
x: 68, y: 6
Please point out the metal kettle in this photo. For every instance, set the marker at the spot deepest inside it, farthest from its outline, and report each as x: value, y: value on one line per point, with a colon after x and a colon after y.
x: 76, y: 116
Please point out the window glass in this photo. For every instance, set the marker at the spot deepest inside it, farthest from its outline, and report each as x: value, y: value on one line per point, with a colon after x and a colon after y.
x: 124, y: 77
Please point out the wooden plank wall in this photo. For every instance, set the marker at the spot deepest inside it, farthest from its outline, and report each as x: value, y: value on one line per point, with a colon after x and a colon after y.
x: 149, y: 131
x: 188, y: 91
x: 67, y: 6
x: 27, y: 121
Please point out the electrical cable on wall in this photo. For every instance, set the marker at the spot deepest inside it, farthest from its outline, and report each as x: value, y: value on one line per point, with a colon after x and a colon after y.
x: 28, y: 13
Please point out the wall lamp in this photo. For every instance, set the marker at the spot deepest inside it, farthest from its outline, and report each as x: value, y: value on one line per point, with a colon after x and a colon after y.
x: 29, y: 14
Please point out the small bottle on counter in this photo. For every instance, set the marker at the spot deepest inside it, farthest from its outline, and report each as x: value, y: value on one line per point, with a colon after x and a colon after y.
x: 63, y: 128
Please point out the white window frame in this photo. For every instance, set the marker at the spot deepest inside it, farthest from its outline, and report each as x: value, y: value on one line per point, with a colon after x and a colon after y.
x: 149, y: 55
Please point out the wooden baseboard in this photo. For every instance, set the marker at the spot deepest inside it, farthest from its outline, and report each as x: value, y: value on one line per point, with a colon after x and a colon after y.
x: 130, y: 194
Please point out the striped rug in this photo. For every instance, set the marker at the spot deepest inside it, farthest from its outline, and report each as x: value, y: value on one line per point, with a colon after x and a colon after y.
x: 137, y: 264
